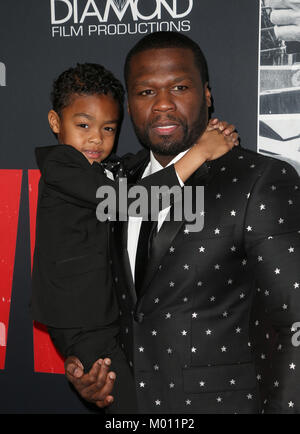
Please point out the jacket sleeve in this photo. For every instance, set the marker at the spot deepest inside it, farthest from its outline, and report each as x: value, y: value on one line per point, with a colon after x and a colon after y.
x: 89, y: 345
x: 73, y: 181
x: 69, y: 174
x: 272, y: 240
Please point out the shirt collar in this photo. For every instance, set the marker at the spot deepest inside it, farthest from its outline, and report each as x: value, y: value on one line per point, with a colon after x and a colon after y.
x: 154, y: 166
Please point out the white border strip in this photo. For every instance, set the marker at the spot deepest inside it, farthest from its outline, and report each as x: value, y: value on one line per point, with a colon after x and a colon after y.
x: 258, y: 87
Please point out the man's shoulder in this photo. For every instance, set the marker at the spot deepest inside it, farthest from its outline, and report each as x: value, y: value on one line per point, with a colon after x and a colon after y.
x: 250, y: 163
x: 240, y: 155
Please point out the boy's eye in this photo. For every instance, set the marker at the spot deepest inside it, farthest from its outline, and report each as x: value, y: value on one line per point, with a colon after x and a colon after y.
x: 110, y: 129
x: 83, y: 125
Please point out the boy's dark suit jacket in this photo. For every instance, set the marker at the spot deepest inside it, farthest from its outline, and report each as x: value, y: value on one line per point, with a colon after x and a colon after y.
x: 187, y: 333
x: 71, y: 276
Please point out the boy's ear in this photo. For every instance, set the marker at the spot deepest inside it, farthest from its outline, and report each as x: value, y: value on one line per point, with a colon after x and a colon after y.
x: 54, y: 121
x: 128, y: 109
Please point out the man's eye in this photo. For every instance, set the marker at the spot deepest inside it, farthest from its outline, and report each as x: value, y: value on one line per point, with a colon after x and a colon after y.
x: 180, y: 88
x: 146, y: 92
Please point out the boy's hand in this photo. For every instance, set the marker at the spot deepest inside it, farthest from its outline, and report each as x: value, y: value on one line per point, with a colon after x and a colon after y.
x: 213, y: 144
x: 218, y: 138
x: 95, y: 386
x: 225, y: 128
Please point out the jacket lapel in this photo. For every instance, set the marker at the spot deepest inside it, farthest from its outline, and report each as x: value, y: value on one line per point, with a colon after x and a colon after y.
x: 135, y: 168
x: 126, y: 263
x: 160, y: 244
x: 164, y: 238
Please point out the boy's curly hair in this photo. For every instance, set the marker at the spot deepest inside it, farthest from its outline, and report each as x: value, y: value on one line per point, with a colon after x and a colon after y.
x: 85, y: 79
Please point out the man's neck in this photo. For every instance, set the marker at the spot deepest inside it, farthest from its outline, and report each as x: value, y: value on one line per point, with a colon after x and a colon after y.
x: 163, y: 160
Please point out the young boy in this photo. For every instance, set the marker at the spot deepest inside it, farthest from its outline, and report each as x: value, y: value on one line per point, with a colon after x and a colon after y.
x: 71, y: 280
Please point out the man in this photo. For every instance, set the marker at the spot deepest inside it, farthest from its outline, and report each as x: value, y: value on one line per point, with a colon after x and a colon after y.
x: 185, y: 317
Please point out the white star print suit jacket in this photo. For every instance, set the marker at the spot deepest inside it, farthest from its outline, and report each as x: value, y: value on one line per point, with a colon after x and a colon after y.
x: 187, y: 335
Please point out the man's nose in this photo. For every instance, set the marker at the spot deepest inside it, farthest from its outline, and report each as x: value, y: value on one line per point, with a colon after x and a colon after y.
x: 164, y: 102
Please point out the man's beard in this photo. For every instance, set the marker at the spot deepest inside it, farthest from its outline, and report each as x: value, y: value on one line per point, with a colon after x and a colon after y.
x: 167, y: 146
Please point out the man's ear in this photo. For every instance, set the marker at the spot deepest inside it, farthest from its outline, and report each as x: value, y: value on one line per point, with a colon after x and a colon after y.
x: 207, y: 95
x: 54, y: 121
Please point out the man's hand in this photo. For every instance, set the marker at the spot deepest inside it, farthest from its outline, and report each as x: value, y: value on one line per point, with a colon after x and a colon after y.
x: 225, y: 128
x: 285, y: 16
x: 95, y: 386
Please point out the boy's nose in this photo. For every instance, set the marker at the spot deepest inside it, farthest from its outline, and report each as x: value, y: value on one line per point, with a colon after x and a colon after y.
x: 97, y: 140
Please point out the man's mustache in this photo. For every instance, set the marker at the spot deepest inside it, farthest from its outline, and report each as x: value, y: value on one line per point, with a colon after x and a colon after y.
x: 161, y: 118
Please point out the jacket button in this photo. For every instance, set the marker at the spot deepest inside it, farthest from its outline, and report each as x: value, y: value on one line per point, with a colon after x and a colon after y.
x: 139, y: 317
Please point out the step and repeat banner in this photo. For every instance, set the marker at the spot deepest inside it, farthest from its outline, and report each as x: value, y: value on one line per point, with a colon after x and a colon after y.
x: 255, y: 83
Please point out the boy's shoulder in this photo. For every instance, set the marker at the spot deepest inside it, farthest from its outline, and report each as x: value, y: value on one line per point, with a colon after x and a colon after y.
x: 61, y: 154
x: 127, y: 164
x: 134, y: 161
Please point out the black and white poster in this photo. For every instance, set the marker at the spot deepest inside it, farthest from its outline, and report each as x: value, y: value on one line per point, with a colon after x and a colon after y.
x: 279, y: 80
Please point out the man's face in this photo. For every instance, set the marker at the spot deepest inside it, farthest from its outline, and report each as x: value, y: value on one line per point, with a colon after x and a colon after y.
x: 89, y: 124
x: 166, y: 99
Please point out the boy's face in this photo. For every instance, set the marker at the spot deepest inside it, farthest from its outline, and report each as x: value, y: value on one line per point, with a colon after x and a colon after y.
x: 89, y: 124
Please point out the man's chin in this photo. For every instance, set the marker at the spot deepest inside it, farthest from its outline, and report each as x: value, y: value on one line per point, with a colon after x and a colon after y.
x: 169, y: 148
x: 167, y: 145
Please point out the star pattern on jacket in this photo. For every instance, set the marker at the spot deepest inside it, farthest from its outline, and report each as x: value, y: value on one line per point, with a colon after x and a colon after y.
x: 200, y: 330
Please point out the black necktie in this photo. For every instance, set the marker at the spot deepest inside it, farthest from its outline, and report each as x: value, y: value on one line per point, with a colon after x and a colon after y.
x: 147, y: 231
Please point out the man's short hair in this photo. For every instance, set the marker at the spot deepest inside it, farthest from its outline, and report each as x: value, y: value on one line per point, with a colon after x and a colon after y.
x: 85, y: 79
x: 159, y: 40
